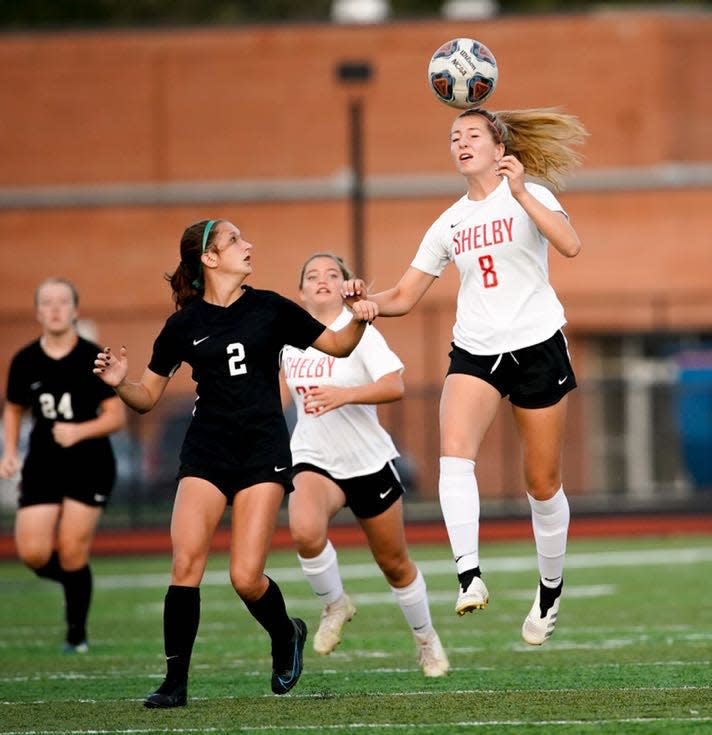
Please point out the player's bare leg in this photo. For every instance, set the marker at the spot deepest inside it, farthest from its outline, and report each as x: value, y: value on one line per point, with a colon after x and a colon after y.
x: 313, y: 503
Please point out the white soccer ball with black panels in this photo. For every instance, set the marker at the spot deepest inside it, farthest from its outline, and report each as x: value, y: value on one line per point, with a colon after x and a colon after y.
x: 463, y: 73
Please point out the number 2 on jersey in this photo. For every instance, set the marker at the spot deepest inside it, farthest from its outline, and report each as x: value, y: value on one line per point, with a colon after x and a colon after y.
x: 235, y: 363
x: 489, y: 274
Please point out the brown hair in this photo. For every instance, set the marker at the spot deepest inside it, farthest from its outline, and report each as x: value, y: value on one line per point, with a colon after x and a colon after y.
x: 542, y: 139
x: 64, y: 282
x: 345, y: 270
x: 187, y: 279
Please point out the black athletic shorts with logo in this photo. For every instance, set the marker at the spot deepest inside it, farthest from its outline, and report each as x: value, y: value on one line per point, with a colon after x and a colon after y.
x: 84, y: 472
x: 533, y: 377
x: 229, y: 483
x: 367, y: 495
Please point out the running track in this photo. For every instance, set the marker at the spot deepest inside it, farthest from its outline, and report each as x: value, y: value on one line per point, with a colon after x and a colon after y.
x: 143, y: 541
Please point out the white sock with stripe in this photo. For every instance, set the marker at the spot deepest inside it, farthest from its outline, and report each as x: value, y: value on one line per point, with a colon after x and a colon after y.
x: 460, y: 504
x: 413, y: 601
x: 322, y: 573
x: 550, y: 521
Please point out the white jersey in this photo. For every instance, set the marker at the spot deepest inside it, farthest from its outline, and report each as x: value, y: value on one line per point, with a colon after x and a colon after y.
x: 505, y: 301
x: 348, y: 441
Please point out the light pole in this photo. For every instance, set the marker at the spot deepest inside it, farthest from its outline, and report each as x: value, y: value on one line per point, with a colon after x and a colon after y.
x: 355, y: 75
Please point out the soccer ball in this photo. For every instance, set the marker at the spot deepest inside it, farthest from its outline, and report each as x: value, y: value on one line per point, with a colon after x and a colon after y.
x: 463, y: 73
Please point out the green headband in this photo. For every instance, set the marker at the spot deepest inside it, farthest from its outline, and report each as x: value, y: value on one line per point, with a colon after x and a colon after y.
x: 206, y: 231
x: 198, y: 282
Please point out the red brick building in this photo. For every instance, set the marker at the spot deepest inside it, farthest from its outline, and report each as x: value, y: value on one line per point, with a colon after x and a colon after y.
x: 112, y: 142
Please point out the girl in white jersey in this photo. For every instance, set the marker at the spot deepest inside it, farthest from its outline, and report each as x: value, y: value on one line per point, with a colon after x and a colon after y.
x: 507, y: 339
x: 343, y: 456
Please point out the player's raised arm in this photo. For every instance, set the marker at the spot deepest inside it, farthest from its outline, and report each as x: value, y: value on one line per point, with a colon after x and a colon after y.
x: 141, y: 396
x: 395, y: 301
x: 341, y: 343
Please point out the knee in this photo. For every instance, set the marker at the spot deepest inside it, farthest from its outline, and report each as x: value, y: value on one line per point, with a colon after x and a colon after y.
x: 33, y: 557
x: 543, y: 483
x: 309, y: 538
x: 248, y: 585
x: 186, y: 570
x: 398, y: 570
x: 72, y: 555
x: 544, y: 488
x: 460, y: 447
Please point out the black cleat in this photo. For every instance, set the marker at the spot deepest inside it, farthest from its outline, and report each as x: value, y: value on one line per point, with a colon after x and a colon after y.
x: 287, y: 663
x: 169, y: 694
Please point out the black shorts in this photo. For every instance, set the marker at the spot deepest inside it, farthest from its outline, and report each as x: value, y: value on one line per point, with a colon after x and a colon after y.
x: 88, y: 482
x: 367, y: 495
x: 229, y: 483
x: 533, y: 377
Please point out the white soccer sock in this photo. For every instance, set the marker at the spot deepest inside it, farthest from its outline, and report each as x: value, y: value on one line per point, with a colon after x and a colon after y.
x: 322, y: 573
x: 413, y: 601
x: 460, y: 504
x: 550, y: 521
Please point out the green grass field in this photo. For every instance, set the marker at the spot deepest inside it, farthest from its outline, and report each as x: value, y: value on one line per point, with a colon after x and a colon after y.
x: 632, y: 652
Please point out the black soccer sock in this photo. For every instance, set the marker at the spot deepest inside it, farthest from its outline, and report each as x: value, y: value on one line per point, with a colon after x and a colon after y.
x: 548, y: 596
x: 52, y: 569
x: 181, y: 617
x: 271, y: 613
x: 77, y: 598
x: 467, y: 576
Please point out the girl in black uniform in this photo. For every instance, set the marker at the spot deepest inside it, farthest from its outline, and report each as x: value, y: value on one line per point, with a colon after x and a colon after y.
x: 236, y: 450
x: 69, y: 469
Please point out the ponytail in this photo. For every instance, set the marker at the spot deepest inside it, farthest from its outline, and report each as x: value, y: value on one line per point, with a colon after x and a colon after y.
x: 187, y: 280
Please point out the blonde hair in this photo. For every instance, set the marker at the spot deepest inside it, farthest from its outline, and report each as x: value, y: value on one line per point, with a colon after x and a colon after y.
x: 340, y: 263
x: 542, y: 139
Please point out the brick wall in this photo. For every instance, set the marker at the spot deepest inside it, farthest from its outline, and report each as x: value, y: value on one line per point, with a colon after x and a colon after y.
x: 262, y: 104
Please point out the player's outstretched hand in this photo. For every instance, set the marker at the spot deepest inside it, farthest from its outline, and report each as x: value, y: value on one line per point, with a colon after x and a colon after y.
x: 353, y: 290
x: 364, y: 311
x: 112, y: 368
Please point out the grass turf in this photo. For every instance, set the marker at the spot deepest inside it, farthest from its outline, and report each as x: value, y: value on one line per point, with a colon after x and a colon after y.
x: 632, y: 651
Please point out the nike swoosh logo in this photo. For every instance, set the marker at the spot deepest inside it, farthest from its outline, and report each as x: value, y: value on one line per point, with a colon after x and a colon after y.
x: 198, y: 341
x: 279, y: 469
x: 35, y: 386
x: 456, y: 223
x: 563, y: 380
x: 383, y: 495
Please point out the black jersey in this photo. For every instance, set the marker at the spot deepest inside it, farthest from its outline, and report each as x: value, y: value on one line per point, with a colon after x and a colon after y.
x: 62, y: 389
x: 234, y: 353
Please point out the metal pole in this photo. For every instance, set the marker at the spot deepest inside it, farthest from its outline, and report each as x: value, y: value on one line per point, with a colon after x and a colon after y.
x: 357, y: 188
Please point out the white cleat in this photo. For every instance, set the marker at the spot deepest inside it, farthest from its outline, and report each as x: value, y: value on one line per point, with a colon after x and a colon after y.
x: 475, y: 597
x: 431, y: 654
x: 537, y: 628
x: 333, y: 619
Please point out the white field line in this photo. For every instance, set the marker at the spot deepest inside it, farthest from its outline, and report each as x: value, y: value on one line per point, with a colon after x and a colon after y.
x: 600, y: 560
x: 411, y: 693
x: 383, y: 726
x: 386, y: 598
x: 122, y: 674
